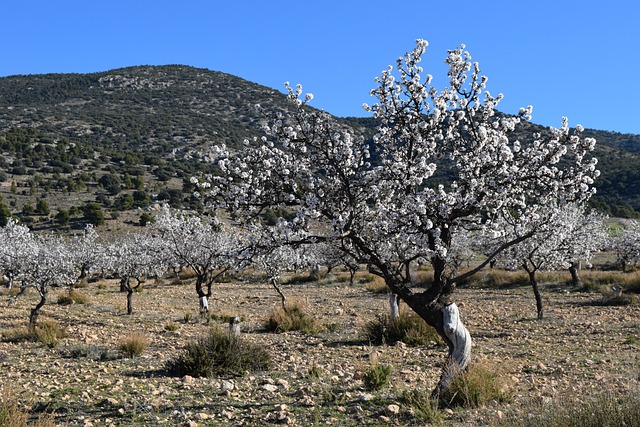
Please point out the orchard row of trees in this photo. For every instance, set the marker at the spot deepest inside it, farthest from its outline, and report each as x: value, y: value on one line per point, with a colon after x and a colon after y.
x: 181, y: 239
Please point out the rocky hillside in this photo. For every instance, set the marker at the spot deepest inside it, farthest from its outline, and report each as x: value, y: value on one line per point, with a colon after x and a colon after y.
x: 125, y: 137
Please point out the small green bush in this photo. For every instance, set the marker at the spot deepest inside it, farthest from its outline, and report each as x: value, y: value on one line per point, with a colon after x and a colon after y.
x: 133, y: 345
x: 422, y: 408
x: 48, y: 333
x: 409, y: 328
x: 73, y: 296
x: 315, y: 372
x: 376, y: 377
x: 217, y: 353
x: 16, y: 335
x: 64, y: 299
x: 171, y: 327
x: 86, y: 351
x: 476, y: 386
x: 374, y: 284
x: 613, y: 298
x: 294, y: 318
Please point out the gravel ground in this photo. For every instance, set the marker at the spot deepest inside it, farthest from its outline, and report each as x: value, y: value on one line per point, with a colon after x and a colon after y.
x: 578, y: 350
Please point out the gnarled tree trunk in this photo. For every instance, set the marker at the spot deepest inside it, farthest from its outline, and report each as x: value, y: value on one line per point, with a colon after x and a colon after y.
x: 435, y: 307
x: 130, y: 301
x: 575, y: 277
x: 35, y: 312
x: 536, y: 292
x: 202, y: 295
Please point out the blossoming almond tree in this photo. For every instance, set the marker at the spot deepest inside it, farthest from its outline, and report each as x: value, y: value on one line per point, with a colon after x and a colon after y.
x: 626, y: 244
x: 563, y: 236
x: 379, y: 201
x: 35, y: 261
x: 133, y: 256
x: 16, y: 246
x: 207, y: 247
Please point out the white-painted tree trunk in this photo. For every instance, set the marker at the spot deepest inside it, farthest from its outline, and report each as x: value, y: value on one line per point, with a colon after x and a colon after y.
x: 204, y: 304
x: 234, y: 326
x: 393, y: 304
x: 461, y: 339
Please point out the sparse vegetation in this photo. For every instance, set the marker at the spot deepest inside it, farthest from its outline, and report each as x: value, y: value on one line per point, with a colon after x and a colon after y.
x: 479, y: 384
x: 13, y: 414
x: 376, y: 377
x: 607, y: 409
x: 294, y: 318
x: 218, y: 353
x: 422, y: 407
x: 408, y: 328
x: 73, y: 297
x: 48, y: 332
x: 134, y: 344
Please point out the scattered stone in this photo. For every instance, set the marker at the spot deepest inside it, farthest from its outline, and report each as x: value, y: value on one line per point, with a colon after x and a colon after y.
x: 270, y: 387
x: 227, y: 385
x: 284, y: 383
x: 188, y: 379
x: 202, y: 416
x: 393, y: 409
x: 111, y: 401
x: 366, y: 397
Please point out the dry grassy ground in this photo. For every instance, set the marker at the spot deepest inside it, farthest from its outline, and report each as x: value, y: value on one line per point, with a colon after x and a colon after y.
x: 578, y: 350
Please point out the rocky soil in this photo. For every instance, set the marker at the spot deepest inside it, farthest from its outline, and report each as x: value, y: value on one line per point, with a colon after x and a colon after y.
x: 578, y: 350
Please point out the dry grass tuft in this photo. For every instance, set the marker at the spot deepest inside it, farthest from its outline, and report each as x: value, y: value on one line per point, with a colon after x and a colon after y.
x: 13, y: 414
x: 480, y: 384
x: 133, y: 345
x: 294, y: 318
x: 409, y: 328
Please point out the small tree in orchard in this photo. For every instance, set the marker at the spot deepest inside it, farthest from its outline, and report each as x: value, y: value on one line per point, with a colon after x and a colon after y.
x: 16, y: 246
x: 626, y: 244
x: 51, y: 265
x: 205, y: 246
x: 86, y: 251
x: 382, y: 202
x: 562, y: 237
x: 133, y: 256
x: 332, y: 257
x: 39, y: 262
x: 280, y: 259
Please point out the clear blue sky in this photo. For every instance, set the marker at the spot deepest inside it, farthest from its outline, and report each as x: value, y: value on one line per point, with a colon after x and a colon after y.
x: 566, y: 58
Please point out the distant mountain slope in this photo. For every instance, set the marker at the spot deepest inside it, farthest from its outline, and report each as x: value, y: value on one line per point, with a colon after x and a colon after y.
x: 126, y: 136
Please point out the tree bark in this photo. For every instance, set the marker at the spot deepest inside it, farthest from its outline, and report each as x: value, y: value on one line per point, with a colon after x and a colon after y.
x: 393, y: 304
x: 203, y: 297
x: 435, y: 307
x: 35, y: 312
x: 575, y: 276
x: 536, y: 292
x: 234, y: 326
x: 459, y: 348
x: 204, y: 304
x: 283, y: 298
x: 130, y: 301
